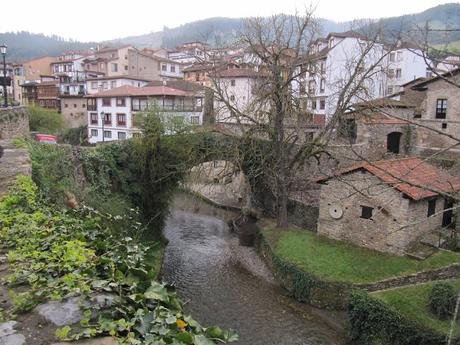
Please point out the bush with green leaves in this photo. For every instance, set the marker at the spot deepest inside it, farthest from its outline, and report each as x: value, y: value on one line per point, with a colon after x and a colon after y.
x: 46, y: 121
x: 442, y: 300
x: 55, y: 253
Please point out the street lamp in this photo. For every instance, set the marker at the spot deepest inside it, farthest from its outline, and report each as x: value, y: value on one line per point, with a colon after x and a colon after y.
x: 103, y: 120
x: 5, y: 95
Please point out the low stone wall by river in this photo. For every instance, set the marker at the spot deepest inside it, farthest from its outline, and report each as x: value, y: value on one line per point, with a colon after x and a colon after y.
x: 14, y: 122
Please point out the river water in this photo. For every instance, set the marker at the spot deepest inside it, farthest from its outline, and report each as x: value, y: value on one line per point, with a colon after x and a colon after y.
x: 227, y: 285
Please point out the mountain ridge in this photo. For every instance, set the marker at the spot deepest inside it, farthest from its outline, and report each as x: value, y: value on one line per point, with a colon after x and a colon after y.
x: 221, y: 30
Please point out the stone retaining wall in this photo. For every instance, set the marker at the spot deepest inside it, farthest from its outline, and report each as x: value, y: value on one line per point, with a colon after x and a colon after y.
x: 449, y: 272
x: 14, y: 122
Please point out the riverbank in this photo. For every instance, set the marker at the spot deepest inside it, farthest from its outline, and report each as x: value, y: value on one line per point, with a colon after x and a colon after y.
x: 327, y: 274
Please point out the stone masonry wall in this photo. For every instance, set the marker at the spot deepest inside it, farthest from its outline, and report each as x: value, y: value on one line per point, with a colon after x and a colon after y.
x: 14, y: 122
x: 396, y: 222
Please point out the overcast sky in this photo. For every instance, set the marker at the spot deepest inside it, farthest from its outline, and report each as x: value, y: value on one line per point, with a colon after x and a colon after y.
x: 95, y: 20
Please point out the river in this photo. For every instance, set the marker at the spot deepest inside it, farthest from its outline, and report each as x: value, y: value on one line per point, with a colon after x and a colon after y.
x: 228, y: 285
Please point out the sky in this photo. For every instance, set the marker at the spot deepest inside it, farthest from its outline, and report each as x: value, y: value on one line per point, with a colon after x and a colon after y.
x: 97, y: 20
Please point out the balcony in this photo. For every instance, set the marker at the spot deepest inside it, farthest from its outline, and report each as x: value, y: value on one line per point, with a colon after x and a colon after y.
x: 121, y: 123
x: 107, y: 122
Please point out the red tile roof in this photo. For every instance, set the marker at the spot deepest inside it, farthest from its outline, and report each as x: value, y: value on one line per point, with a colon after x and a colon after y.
x: 128, y: 90
x: 411, y: 176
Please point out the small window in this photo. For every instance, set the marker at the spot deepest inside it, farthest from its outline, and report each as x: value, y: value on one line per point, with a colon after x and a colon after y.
x: 322, y: 104
x: 444, y: 125
x: 121, y: 135
x: 164, y: 68
x: 108, y: 134
x: 366, y: 212
x: 94, y: 133
x: 173, y: 69
x: 93, y: 118
x: 398, y: 73
x: 74, y: 105
x: 113, y: 84
x: 232, y: 97
x: 94, y: 85
x: 441, y: 108
x: 232, y: 82
x: 106, y: 102
x: 120, y: 101
x: 195, y: 120
x: 431, y: 207
x: 313, y: 105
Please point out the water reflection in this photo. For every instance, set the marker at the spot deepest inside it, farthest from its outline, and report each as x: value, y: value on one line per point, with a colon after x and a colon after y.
x: 202, y: 260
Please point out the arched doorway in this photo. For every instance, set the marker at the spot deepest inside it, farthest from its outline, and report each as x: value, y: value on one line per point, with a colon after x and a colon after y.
x: 394, y: 142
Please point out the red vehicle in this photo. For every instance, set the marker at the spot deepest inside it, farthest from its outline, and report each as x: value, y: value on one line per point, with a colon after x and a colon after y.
x: 46, y: 138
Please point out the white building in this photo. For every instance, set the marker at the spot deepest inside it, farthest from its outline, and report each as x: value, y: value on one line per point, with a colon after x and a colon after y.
x: 112, y: 113
x: 405, y: 63
x: 335, y: 60
x: 237, y: 86
x: 96, y: 85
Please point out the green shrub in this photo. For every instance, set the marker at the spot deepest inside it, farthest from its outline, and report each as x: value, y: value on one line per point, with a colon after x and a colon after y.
x: 42, y: 120
x: 442, y: 300
x: 75, y: 136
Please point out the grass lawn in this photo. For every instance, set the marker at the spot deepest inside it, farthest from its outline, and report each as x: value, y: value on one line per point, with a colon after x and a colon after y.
x: 412, y: 302
x: 338, y: 261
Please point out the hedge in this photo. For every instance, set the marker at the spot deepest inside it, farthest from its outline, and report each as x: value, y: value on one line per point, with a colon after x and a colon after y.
x: 371, y: 320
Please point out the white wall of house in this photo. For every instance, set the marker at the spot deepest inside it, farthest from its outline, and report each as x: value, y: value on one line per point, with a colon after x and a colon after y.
x: 238, y: 91
x: 94, y: 86
x: 171, y: 70
x: 114, y: 130
x: 404, y: 65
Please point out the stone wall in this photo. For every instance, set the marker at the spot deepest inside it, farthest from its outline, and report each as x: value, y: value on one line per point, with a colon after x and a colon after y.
x: 73, y: 111
x: 396, y: 222
x: 14, y: 122
x: 13, y: 161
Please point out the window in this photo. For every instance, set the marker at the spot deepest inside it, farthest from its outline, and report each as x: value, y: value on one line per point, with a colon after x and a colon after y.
x: 173, y: 69
x: 313, y: 105
x: 113, y: 84
x: 94, y: 133
x: 94, y: 85
x: 104, y: 85
x: 398, y: 73
x: 391, y: 73
x: 121, y: 135
x: 444, y: 125
x: 107, y: 119
x: 389, y: 90
x: 136, y: 135
x: 195, y: 120
x: 322, y: 104
x: 114, y: 67
x: 392, y: 57
x: 106, y: 102
x: 399, y: 56
x: 312, y: 87
x: 83, y: 105
x: 322, y: 85
x: 366, y: 212
x: 322, y: 67
x: 93, y: 118
x: 126, y: 67
x: 441, y: 108
x: 431, y: 207
x: 120, y: 102
x: 232, y: 98
x: 74, y: 105
x: 65, y: 105
x: 102, y: 66
x: 121, y: 119
x: 232, y: 82
x: 164, y: 68
x: 108, y: 134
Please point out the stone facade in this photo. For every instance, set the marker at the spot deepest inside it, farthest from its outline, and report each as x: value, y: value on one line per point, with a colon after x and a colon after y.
x: 429, y: 139
x: 73, y: 110
x: 396, y: 223
x: 14, y: 123
x: 13, y: 161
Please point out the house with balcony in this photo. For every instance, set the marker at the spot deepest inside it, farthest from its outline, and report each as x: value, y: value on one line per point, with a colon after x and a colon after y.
x: 99, y: 84
x: 113, y: 114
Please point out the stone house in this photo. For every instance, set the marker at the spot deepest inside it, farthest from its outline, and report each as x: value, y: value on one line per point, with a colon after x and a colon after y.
x: 377, y: 129
x: 386, y: 205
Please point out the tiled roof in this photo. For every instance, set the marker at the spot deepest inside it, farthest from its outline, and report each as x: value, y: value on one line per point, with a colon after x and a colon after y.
x: 239, y: 73
x: 114, y: 77
x: 412, y: 176
x: 128, y: 90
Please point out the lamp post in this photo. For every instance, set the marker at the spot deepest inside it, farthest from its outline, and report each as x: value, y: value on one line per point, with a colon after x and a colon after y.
x: 5, y: 95
x: 103, y: 120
